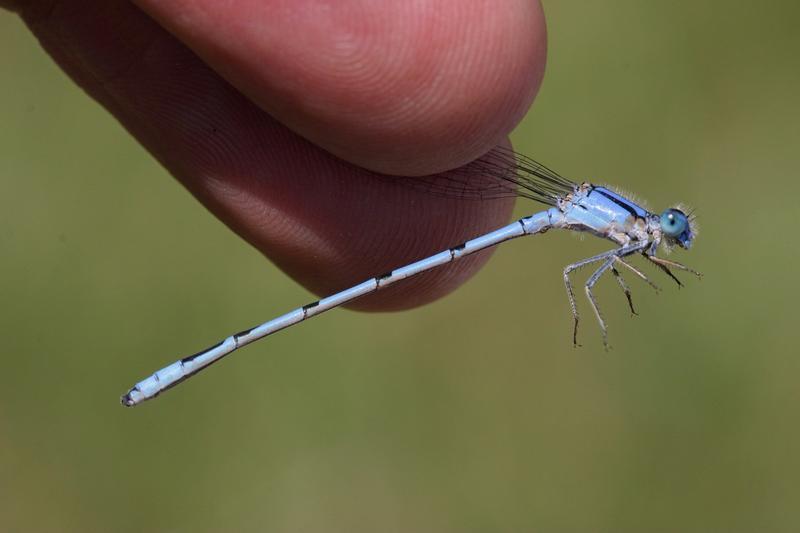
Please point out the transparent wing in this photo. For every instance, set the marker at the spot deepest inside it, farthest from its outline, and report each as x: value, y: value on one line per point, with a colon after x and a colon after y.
x: 502, y: 173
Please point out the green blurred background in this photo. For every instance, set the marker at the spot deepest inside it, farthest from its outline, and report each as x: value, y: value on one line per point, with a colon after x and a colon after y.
x: 471, y: 414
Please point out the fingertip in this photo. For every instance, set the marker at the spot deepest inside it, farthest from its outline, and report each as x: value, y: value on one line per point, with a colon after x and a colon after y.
x: 395, y: 87
x: 327, y: 223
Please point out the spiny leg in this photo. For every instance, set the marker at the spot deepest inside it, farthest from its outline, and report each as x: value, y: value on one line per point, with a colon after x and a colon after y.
x: 571, y: 295
x: 664, y: 268
x: 624, y: 287
x: 616, y: 254
x: 572, y: 306
x: 675, y: 264
x: 650, y: 254
x: 638, y: 272
x: 589, y: 284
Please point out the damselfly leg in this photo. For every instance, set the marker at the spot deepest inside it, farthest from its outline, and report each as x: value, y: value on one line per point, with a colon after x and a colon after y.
x: 639, y: 273
x: 571, y: 294
x: 624, y: 287
x: 588, y: 287
x: 664, y: 265
x: 611, y: 257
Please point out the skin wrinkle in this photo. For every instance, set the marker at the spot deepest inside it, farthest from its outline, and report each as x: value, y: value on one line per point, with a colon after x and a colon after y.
x: 362, y: 76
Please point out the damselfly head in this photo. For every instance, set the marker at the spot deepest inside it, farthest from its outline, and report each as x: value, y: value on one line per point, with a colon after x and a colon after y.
x: 676, y: 227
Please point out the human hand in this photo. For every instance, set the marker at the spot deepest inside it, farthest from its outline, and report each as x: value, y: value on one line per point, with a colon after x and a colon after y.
x: 245, y: 101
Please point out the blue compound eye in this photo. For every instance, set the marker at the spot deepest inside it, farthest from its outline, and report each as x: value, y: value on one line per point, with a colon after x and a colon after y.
x: 673, y: 222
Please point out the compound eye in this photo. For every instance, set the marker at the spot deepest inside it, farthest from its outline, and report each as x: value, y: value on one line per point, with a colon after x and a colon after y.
x: 673, y: 222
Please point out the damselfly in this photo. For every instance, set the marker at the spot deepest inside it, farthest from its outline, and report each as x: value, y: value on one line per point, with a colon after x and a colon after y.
x: 579, y: 207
